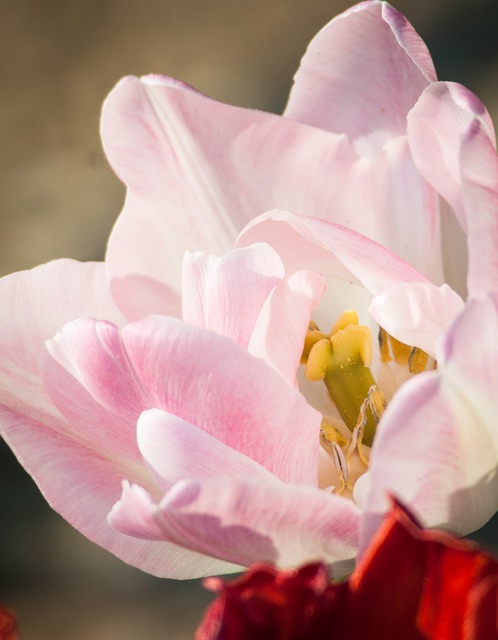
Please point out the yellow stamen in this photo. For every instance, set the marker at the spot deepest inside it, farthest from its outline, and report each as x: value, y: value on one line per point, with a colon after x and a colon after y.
x: 313, y: 335
x: 343, y: 362
x: 330, y: 435
x: 345, y: 319
x: 417, y: 361
x: 404, y: 354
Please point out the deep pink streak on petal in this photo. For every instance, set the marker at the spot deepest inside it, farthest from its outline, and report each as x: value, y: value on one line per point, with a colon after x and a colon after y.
x: 304, y: 242
x: 175, y: 450
x: 215, y: 384
x: 244, y: 521
x: 361, y: 75
x: 226, y: 294
x: 89, y: 379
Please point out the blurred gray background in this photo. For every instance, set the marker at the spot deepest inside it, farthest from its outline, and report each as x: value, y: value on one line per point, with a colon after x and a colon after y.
x: 58, y: 198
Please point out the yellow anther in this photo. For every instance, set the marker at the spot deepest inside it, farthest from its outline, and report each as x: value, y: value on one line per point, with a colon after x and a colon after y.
x: 351, y: 342
x: 330, y: 435
x: 417, y: 361
x: 400, y: 350
x: 385, y: 354
x: 346, y: 318
x: 313, y: 335
x: 318, y: 361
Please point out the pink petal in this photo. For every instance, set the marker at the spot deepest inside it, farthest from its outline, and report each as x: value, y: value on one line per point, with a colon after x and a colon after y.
x: 417, y: 313
x: 331, y: 249
x: 102, y: 382
x: 198, y: 170
x: 361, y: 75
x: 437, y: 445
x: 216, y: 385
x: 35, y: 304
x: 435, y: 128
x: 479, y: 166
x: 279, y: 333
x: 82, y: 485
x: 226, y: 294
x: 175, y: 450
x: 245, y: 521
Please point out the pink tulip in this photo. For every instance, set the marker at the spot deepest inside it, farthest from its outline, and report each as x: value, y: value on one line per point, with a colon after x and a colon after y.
x: 216, y: 441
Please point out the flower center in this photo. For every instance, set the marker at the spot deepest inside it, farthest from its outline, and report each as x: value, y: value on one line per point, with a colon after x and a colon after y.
x: 342, y: 359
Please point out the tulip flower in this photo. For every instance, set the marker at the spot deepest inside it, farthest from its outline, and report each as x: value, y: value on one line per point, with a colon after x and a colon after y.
x: 412, y: 583
x: 225, y: 453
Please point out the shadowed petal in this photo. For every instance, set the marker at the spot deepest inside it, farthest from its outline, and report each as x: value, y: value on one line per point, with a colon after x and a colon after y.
x: 437, y: 445
x: 417, y: 313
x: 479, y: 166
x: 243, y: 521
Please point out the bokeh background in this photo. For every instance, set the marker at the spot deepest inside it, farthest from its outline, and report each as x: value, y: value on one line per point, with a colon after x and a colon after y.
x: 58, y: 198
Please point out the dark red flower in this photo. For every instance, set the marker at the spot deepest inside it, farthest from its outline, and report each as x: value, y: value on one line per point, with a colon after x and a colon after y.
x: 411, y: 584
x: 8, y: 624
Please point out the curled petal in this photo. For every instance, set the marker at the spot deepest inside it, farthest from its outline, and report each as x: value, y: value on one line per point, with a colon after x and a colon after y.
x: 243, y: 521
x: 279, y: 332
x: 361, y: 75
x: 175, y: 450
x: 479, y: 168
x: 226, y: 294
x: 331, y: 249
x: 417, y: 313
x: 102, y: 381
x: 436, y: 125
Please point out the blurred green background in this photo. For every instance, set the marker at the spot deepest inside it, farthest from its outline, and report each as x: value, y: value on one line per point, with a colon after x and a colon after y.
x: 58, y: 198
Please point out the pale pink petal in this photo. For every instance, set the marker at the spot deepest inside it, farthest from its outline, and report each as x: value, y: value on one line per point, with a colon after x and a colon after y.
x: 479, y: 167
x: 226, y: 294
x: 361, y: 75
x: 175, y: 450
x: 437, y: 444
x: 245, y: 521
x: 407, y: 215
x: 197, y: 171
x: 417, y: 313
x: 35, y: 305
x: 331, y: 249
x: 82, y: 484
x: 435, y: 128
x: 216, y: 385
x: 278, y: 336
